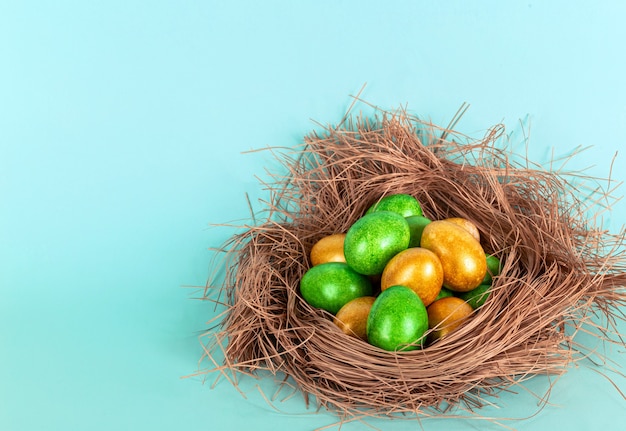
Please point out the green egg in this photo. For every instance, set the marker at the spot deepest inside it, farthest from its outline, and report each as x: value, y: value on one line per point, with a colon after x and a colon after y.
x: 374, y: 239
x: 444, y: 293
x: 331, y: 285
x: 476, y: 297
x: 397, y: 320
x: 401, y: 203
x: 493, y: 268
x: 417, y: 223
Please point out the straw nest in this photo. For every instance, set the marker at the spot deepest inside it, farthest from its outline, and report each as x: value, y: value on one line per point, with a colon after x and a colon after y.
x: 560, y: 270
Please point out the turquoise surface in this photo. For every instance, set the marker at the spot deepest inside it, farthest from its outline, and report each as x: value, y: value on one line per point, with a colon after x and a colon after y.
x: 124, y: 131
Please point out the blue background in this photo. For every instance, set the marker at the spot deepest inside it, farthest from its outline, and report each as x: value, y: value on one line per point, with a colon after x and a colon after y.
x: 122, y: 132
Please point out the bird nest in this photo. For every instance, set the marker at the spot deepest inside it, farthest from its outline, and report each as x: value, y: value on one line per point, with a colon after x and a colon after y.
x: 559, y: 270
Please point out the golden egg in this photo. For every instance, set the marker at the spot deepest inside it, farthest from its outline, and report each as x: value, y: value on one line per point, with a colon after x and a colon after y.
x: 416, y: 268
x: 445, y: 315
x: 328, y: 249
x: 352, y: 317
x: 461, y: 255
x: 467, y: 225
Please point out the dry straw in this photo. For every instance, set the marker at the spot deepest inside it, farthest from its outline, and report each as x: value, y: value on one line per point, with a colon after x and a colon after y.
x: 560, y: 270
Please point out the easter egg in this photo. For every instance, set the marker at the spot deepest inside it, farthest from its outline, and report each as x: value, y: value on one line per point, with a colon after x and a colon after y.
x: 444, y: 293
x: 374, y: 239
x: 465, y: 224
x: 493, y: 268
x: 331, y: 285
x: 417, y: 223
x: 401, y: 203
x: 397, y: 320
x: 461, y: 255
x: 352, y: 317
x: 477, y: 297
x: 416, y: 268
x: 446, y: 315
x: 328, y: 249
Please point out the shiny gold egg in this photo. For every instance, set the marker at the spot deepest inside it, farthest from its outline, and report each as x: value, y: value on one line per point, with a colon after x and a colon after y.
x: 446, y: 315
x: 416, y: 268
x: 461, y: 255
x: 467, y: 225
x: 352, y: 317
x: 328, y: 249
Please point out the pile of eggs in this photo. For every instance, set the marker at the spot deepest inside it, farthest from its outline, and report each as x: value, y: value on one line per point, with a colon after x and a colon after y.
x: 397, y: 279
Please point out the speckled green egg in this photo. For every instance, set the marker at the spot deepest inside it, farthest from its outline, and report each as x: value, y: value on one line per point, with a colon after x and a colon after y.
x: 374, y: 239
x: 417, y: 223
x: 476, y: 297
x: 401, y: 203
x: 331, y: 285
x: 397, y: 320
x: 444, y: 293
x: 493, y: 268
